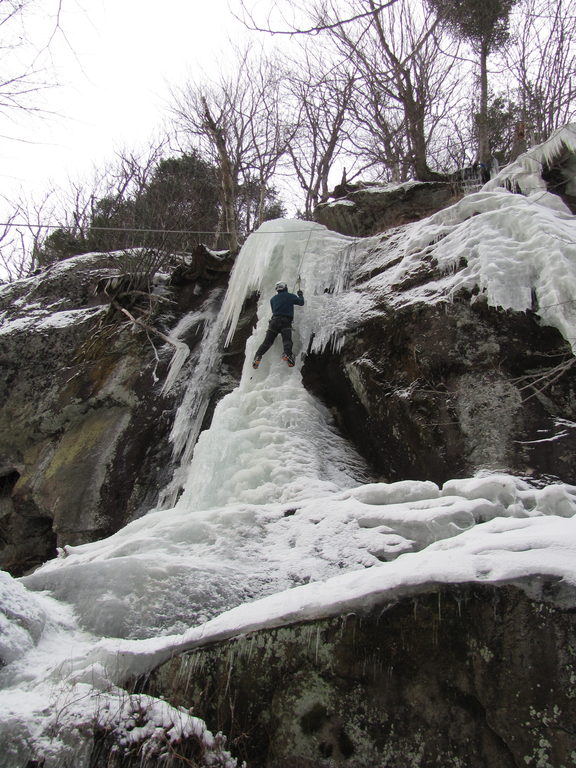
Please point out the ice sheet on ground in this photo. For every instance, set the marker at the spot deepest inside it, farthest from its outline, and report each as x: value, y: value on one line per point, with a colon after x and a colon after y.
x: 355, y: 548
x: 523, y: 550
x: 215, y: 559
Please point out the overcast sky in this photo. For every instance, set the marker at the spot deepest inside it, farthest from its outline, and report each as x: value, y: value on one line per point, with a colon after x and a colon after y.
x: 115, y: 65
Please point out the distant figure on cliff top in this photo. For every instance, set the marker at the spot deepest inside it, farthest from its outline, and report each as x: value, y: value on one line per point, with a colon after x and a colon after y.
x: 280, y: 323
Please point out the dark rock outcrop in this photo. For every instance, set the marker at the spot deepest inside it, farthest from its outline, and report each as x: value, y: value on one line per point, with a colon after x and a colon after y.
x: 469, y: 676
x: 84, y: 425
x: 365, y: 209
x: 441, y: 391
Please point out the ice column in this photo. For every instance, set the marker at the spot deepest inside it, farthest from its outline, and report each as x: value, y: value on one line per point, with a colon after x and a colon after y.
x: 203, y: 381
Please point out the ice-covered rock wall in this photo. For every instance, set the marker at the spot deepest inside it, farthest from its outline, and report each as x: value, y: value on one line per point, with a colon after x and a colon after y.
x: 88, y: 400
x: 462, y: 354
x: 433, y: 347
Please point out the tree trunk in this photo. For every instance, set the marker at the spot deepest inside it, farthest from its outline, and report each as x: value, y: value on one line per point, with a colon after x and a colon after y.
x: 414, y: 113
x: 226, y: 177
x: 483, y: 137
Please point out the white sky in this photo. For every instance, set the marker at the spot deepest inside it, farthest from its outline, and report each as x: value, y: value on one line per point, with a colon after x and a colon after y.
x: 115, y: 75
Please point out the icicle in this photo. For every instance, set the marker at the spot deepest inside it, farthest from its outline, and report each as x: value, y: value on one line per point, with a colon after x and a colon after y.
x: 182, y: 350
x: 279, y: 242
x: 525, y: 173
x: 190, y: 414
x: 178, y: 359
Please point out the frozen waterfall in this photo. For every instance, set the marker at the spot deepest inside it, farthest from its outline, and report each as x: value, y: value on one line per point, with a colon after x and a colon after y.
x: 269, y: 439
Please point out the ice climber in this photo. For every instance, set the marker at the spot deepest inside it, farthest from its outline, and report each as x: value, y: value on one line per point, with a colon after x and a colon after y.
x: 281, y: 322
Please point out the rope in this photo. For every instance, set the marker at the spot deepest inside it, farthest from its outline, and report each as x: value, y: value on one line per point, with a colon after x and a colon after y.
x: 298, y: 279
x: 128, y: 229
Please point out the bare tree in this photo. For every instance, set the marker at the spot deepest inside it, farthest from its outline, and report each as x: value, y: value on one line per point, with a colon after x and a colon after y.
x: 289, y: 17
x: 404, y: 83
x: 61, y: 222
x: 237, y: 121
x: 542, y: 60
x: 24, y: 232
x: 21, y: 52
x: 132, y: 170
x: 14, y: 260
x: 322, y: 89
x: 271, y: 129
x: 393, y: 47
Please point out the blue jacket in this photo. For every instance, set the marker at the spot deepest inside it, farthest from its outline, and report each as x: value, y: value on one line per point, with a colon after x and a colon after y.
x: 283, y: 303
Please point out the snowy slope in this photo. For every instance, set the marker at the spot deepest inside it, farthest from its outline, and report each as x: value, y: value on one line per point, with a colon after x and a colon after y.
x: 277, y: 522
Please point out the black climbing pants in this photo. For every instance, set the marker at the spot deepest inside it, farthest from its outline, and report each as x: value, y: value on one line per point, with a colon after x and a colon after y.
x: 278, y: 324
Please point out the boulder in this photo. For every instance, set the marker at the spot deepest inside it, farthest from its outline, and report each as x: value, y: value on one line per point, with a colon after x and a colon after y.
x: 469, y: 676
x: 365, y: 209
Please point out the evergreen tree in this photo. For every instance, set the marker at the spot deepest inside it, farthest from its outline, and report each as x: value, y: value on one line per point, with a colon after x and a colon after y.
x: 180, y: 200
x: 484, y: 24
x: 59, y: 245
x: 175, y: 210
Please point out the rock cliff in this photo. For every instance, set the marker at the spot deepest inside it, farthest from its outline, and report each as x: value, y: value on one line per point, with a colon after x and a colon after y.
x: 366, y: 209
x: 468, y: 677
x: 437, y: 391
x: 432, y: 381
x: 84, y: 423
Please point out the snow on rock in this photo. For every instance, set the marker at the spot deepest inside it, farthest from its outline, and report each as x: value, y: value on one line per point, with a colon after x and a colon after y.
x: 156, y: 730
x: 512, y: 251
x: 54, y: 697
x: 525, y: 172
x: 527, y: 552
x: 500, y: 247
x: 216, y: 559
x: 391, y: 493
x: 63, y: 287
x: 54, y: 724
x: 343, y: 202
x: 44, y: 320
x: 512, y: 534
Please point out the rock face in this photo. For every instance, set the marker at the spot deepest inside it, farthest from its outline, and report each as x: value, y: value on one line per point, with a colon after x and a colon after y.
x: 469, y: 676
x: 84, y: 425
x: 440, y: 391
x: 431, y: 391
x: 426, y: 391
x: 365, y: 209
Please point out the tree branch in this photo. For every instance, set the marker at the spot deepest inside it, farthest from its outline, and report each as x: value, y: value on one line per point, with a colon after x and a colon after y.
x: 254, y: 27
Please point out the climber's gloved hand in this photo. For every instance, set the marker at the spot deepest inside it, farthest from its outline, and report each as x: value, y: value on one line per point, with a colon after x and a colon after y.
x: 299, y: 293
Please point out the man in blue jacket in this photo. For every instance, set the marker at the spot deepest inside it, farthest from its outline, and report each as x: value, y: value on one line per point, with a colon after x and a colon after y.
x: 281, y: 323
